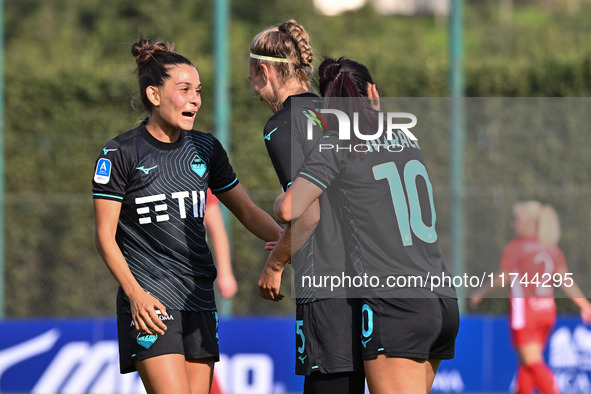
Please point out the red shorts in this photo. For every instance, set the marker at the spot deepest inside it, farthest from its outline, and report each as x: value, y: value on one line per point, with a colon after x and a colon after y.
x: 532, y: 324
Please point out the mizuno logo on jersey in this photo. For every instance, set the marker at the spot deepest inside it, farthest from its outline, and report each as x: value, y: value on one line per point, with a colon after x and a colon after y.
x: 364, y: 342
x: 268, y: 136
x: 146, y: 170
x: 107, y: 150
x: 154, y: 208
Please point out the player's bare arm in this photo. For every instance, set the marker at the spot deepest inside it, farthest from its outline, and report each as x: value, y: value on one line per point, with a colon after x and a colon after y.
x: 143, y: 305
x: 576, y: 294
x: 295, y: 235
x: 287, y: 208
x: 257, y: 221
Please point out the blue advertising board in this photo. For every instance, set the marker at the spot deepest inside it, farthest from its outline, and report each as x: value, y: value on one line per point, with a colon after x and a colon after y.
x: 257, y: 356
x: 486, y: 362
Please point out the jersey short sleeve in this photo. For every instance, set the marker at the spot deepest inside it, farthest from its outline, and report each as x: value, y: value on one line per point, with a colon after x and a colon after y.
x: 222, y: 177
x: 111, y: 173
x: 284, y: 136
x: 322, y: 167
x: 278, y: 143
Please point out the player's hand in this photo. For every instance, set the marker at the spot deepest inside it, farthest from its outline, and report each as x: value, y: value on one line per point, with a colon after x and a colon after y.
x: 474, y: 301
x: 143, y: 312
x: 270, y: 245
x: 270, y: 281
x: 227, y: 285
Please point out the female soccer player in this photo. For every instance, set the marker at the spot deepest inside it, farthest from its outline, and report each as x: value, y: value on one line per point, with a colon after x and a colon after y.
x: 533, y: 256
x: 327, y: 324
x: 149, y: 193
x: 405, y: 332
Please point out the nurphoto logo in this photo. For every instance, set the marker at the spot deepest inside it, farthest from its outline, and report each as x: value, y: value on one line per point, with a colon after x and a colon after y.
x: 392, y: 134
x: 345, y: 124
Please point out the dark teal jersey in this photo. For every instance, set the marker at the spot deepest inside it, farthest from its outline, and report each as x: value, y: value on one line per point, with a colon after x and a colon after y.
x: 386, y: 207
x: 287, y: 144
x: 162, y: 189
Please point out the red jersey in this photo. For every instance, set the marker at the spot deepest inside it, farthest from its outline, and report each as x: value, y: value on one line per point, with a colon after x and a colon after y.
x: 530, y: 278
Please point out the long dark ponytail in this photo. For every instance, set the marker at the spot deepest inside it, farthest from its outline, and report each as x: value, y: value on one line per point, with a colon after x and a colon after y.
x: 344, y: 85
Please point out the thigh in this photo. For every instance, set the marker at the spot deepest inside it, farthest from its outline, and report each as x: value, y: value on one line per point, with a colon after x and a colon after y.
x: 431, y: 370
x: 164, y: 374
x: 395, y: 375
x: 200, y: 374
x: 530, y: 353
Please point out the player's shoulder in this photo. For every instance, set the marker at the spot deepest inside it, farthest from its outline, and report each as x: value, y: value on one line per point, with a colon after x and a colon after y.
x: 129, y: 137
x: 555, y: 251
x: 524, y: 246
x: 304, y: 106
x: 515, y: 245
x: 301, y: 99
x: 295, y: 105
x: 197, y: 135
x: 275, y: 125
x: 278, y: 128
x: 278, y: 121
x: 304, y: 100
x: 204, y: 142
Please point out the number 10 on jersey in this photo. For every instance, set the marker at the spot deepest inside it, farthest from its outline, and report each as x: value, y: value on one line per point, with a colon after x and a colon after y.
x: 408, y: 219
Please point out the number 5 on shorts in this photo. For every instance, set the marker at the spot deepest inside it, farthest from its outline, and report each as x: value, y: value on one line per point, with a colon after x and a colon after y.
x: 299, y: 325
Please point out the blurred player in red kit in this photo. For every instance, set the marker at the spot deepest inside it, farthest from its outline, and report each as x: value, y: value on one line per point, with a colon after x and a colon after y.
x: 531, y: 265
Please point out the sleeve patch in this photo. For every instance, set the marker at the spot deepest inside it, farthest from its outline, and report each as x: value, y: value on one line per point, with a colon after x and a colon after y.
x: 102, y: 174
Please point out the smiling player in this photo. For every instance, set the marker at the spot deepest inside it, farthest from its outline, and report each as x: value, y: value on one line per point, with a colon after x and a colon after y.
x: 149, y: 192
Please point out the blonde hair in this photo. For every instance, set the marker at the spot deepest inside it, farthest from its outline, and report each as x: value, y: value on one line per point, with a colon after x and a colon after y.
x: 290, y: 41
x: 545, y: 218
